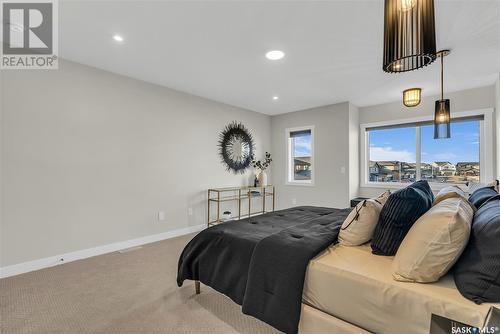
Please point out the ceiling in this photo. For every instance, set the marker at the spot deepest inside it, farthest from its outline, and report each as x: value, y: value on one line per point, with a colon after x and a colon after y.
x: 215, y: 49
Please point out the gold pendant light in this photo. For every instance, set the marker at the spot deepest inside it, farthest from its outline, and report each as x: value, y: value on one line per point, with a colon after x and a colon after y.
x: 442, y: 117
x: 412, y: 96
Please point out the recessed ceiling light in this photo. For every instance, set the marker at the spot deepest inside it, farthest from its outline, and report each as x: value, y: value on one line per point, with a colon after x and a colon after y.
x: 118, y: 38
x: 275, y: 55
x: 275, y: 98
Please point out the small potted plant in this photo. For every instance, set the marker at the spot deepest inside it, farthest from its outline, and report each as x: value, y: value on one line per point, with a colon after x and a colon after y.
x: 262, y: 165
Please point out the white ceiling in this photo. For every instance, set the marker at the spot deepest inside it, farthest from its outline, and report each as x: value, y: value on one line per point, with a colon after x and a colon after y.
x: 215, y: 49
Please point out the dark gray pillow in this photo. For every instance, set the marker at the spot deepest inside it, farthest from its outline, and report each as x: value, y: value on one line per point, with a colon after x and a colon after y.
x: 477, y: 271
x: 481, y: 195
x: 399, y: 213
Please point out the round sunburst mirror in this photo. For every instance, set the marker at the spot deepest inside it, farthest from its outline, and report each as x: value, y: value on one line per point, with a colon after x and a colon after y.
x: 236, y: 147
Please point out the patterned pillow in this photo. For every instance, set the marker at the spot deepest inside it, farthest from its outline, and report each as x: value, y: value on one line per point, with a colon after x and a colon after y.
x: 399, y: 213
x: 477, y: 272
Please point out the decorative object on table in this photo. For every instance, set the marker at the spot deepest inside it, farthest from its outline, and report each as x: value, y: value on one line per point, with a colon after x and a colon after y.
x: 412, y: 97
x: 442, y: 116
x: 231, y: 194
x: 262, y: 165
x: 236, y: 147
x: 409, y: 35
x: 226, y: 215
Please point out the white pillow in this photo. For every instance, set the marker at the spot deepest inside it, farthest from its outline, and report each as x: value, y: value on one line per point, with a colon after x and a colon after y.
x: 434, y: 243
x: 359, y: 226
x: 473, y: 185
x: 451, y: 192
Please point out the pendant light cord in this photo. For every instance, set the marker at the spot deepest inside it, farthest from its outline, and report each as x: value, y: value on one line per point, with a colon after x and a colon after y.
x: 442, y: 95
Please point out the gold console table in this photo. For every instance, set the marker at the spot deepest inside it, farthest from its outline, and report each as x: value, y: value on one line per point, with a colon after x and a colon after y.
x: 219, y: 195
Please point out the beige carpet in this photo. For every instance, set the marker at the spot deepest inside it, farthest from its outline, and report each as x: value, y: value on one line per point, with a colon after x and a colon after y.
x: 132, y: 292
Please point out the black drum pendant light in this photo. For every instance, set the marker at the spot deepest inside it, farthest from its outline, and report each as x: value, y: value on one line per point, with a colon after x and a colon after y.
x: 442, y: 116
x: 409, y: 35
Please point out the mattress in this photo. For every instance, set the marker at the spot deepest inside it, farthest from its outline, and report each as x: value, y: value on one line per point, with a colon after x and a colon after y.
x: 356, y: 286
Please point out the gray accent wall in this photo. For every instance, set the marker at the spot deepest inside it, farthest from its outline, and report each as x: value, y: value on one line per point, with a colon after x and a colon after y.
x: 333, y: 163
x: 90, y: 157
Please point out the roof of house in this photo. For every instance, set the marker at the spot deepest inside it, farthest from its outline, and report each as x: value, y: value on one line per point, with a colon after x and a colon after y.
x: 442, y: 163
x: 466, y: 164
x: 304, y: 160
x: 388, y: 163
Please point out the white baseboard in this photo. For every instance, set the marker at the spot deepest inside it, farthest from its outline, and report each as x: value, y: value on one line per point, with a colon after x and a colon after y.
x: 51, y: 261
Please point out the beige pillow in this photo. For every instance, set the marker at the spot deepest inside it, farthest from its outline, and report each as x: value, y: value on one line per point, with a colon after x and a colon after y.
x: 452, y: 192
x: 359, y: 226
x: 434, y: 243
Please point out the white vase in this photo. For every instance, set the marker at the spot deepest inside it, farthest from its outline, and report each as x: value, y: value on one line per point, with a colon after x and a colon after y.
x: 262, y: 179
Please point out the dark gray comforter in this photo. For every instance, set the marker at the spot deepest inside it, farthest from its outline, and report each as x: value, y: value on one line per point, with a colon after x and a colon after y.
x: 260, y: 262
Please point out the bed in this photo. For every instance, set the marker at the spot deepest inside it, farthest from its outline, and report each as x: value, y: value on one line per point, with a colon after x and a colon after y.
x: 380, y: 304
x: 286, y: 269
x: 260, y: 262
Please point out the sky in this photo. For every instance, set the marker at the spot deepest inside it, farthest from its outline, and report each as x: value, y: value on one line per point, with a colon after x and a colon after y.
x: 302, y: 146
x: 399, y: 144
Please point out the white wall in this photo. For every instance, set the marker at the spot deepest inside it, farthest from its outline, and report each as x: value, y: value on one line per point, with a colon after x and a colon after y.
x: 90, y: 157
x: 331, y: 153
x: 466, y: 100
x: 354, y: 146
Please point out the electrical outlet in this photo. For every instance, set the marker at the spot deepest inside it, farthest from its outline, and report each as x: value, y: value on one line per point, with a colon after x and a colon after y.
x: 161, y: 215
x: 190, y: 211
x: 294, y: 201
x: 342, y: 170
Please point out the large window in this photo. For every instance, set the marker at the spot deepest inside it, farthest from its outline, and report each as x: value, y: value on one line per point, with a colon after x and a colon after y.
x: 404, y: 153
x: 300, y: 155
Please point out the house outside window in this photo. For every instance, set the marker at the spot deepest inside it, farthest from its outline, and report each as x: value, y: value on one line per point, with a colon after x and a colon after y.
x: 300, y: 155
x: 396, y: 154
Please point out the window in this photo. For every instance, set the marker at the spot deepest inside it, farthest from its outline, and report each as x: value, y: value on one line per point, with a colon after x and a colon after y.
x: 455, y: 160
x: 300, y: 155
x: 392, y: 155
x: 403, y: 153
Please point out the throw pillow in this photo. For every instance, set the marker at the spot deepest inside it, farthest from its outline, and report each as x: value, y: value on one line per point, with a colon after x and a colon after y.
x: 399, y: 213
x: 434, y: 242
x: 452, y: 192
x: 358, y: 227
x: 481, y: 195
x: 477, y: 272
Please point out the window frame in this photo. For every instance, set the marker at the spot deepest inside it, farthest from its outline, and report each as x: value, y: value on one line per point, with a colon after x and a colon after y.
x: 289, y: 164
x: 485, y: 148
